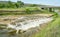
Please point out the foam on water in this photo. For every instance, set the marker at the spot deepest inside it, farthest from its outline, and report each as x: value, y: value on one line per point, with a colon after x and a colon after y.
x: 27, y: 24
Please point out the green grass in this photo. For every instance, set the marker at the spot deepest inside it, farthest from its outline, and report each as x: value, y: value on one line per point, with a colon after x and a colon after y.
x: 36, y: 10
x: 22, y: 9
x: 52, y: 29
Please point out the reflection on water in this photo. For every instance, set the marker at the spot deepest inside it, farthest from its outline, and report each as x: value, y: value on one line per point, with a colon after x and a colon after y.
x: 27, y: 25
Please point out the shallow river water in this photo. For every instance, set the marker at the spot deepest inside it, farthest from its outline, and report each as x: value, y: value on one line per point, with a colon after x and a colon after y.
x: 28, y: 25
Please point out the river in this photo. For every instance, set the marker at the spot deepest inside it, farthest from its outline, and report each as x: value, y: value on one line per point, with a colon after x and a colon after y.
x: 28, y: 25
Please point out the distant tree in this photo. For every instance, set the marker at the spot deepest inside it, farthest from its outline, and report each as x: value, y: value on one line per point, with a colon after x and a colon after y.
x: 33, y: 5
x: 20, y: 3
x: 2, y: 5
x: 10, y: 4
x: 16, y: 5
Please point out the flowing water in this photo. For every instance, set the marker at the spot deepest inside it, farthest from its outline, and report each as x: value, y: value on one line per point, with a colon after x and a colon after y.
x: 26, y: 24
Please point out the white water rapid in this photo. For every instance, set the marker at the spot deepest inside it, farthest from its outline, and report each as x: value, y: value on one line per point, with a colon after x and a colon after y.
x: 25, y: 23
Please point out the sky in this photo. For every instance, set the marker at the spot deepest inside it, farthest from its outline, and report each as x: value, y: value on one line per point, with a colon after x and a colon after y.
x: 44, y: 2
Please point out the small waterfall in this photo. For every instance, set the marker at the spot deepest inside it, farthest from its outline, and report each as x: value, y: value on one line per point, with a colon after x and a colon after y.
x: 25, y: 23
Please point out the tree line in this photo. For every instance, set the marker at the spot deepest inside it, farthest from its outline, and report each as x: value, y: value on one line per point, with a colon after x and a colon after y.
x: 11, y: 4
x: 18, y: 4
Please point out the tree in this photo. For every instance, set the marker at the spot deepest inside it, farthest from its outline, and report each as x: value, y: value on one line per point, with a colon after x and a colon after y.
x: 17, y: 5
x: 10, y: 4
x: 2, y: 5
x: 20, y: 4
x: 33, y: 5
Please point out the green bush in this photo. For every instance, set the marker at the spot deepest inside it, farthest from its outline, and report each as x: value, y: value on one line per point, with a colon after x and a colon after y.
x: 28, y: 11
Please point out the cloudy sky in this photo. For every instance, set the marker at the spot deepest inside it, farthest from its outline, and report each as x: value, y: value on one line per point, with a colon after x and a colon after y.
x: 44, y: 2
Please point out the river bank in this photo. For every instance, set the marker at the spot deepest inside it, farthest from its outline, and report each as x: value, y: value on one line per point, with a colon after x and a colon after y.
x: 52, y: 29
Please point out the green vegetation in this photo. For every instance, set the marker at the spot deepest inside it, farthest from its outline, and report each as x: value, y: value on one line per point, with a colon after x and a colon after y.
x: 28, y: 11
x: 18, y: 4
x: 9, y: 4
x: 51, y: 30
x: 22, y: 11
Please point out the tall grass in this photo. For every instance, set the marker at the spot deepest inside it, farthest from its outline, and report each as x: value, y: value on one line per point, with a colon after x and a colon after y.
x: 51, y: 30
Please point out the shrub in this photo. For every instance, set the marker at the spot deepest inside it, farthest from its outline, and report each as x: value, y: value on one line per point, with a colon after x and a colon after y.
x: 28, y: 11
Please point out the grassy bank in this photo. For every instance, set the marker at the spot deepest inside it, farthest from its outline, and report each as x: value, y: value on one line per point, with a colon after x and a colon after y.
x: 27, y: 13
x: 51, y: 30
